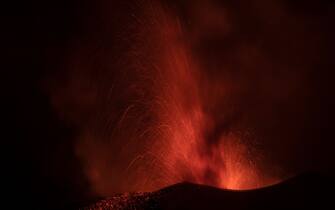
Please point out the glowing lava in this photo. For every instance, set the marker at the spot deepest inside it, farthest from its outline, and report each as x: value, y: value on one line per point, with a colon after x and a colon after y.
x: 179, y: 147
x: 151, y: 125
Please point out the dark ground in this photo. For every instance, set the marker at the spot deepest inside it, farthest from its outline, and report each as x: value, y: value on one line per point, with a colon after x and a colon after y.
x: 303, y: 192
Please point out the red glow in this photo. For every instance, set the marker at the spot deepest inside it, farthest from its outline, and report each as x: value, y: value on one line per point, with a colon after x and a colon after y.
x: 162, y: 135
x: 182, y: 149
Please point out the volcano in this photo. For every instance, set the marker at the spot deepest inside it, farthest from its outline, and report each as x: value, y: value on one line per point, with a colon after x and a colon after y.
x: 162, y: 104
x: 301, y: 192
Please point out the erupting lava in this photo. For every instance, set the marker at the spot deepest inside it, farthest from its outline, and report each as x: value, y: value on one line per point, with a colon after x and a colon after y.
x: 152, y: 125
x: 182, y: 149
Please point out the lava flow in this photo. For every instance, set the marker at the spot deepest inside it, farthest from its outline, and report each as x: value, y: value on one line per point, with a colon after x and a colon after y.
x: 150, y: 119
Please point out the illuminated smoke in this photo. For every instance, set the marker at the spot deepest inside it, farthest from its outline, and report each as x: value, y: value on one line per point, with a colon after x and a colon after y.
x: 152, y: 109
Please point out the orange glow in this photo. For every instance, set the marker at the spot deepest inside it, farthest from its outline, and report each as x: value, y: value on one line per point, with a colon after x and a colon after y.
x: 153, y: 125
x: 179, y: 148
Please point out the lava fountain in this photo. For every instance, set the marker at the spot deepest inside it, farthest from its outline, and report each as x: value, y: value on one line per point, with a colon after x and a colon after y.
x: 183, y: 126
x: 146, y: 121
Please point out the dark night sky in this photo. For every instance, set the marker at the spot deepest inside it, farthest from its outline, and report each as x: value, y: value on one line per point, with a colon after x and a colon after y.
x: 38, y: 40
